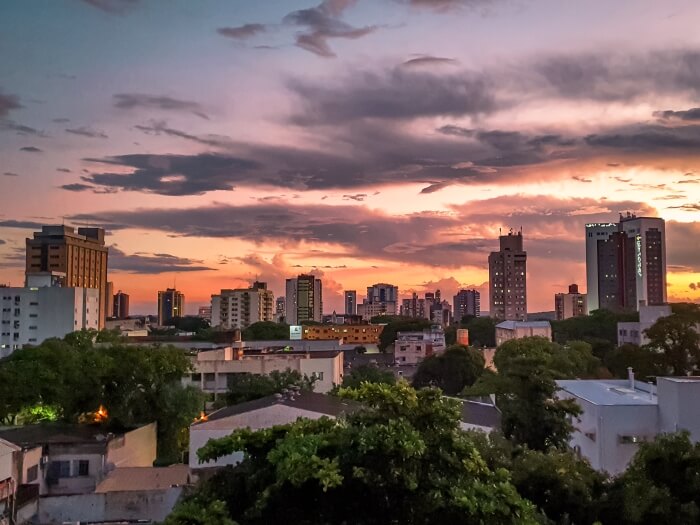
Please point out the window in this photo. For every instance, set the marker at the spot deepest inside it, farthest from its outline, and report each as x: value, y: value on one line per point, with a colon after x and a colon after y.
x: 81, y: 467
x: 59, y: 469
x: 32, y: 473
x: 630, y: 440
x: 196, y: 377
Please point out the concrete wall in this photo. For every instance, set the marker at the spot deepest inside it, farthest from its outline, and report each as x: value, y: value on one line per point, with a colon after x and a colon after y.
x: 137, y: 449
x: 152, y: 505
x: 679, y: 408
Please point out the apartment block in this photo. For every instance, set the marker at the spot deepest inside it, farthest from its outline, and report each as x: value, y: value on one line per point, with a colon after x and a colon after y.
x: 239, y: 308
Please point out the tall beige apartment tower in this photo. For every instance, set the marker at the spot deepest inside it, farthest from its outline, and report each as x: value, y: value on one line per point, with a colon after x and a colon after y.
x: 507, y: 279
x: 81, y: 257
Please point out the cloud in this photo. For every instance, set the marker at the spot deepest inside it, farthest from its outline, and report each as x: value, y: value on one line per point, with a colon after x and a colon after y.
x: 359, y: 197
x: 241, y: 32
x: 85, y: 131
x: 30, y: 149
x: 21, y: 129
x: 428, y: 60
x: 323, y: 23
x: 648, y: 138
x: 77, y: 187
x: 8, y: 103
x: 2, y: 242
x: 27, y: 225
x: 60, y: 120
x: 63, y: 170
x: 10, y: 174
x: 688, y: 114
x: 581, y: 179
x: 159, y: 127
x: 152, y: 264
x: 130, y: 101
x: 687, y: 207
x: 112, y: 6
x: 447, y: 5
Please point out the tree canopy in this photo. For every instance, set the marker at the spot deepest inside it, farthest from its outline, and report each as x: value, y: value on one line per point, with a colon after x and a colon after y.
x: 599, y: 329
x: 266, y: 331
x: 454, y: 369
x: 400, y: 324
x: 676, y: 337
x: 246, y: 387
x: 367, y: 374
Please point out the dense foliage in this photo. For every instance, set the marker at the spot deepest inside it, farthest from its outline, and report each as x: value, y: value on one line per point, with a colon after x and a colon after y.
x: 482, y: 331
x: 246, y: 387
x: 367, y: 374
x: 266, y: 331
x: 71, y: 378
x: 399, y: 324
x: 452, y: 371
x: 677, y: 339
x: 599, y: 329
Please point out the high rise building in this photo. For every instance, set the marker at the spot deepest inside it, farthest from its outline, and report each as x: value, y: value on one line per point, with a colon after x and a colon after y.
x: 242, y: 307
x: 350, y: 302
x: 507, y: 279
x: 81, y: 257
x: 109, y: 300
x: 171, y: 303
x: 572, y: 304
x: 626, y: 263
x: 204, y: 312
x: 280, y: 309
x: 120, y: 305
x: 467, y: 302
x: 304, y: 300
x: 382, y: 299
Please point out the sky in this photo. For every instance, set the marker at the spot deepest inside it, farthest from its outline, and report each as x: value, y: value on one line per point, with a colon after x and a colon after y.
x: 223, y: 141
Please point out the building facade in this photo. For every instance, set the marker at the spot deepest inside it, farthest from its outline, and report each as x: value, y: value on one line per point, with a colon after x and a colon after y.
x: 467, y: 303
x: 349, y: 333
x: 109, y: 301
x: 634, y: 332
x: 508, y: 330
x: 45, y: 309
x: 572, y: 304
x: 304, y: 300
x: 280, y: 309
x: 171, y: 304
x: 382, y: 299
x: 626, y: 263
x: 204, y: 312
x: 508, y: 279
x: 81, y: 257
x: 120, y: 308
x: 242, y: 307
x: 410, y: 348
x: 350, y: 302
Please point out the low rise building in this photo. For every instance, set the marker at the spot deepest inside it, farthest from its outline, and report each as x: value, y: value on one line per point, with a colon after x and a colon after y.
x: 9, y: 455
x: 572, y: 304
x: 633, y: 332
x: 507, y: 330
x: 410, y: 348
x: 74, y: 459
x: 618, y: 415
x: 259, y: 414
x: 44, y: 309
x: 212, y: 368
x: 348, y: 334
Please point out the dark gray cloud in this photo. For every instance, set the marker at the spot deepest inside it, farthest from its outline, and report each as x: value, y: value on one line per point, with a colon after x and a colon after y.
x: 77, y: 186
x: 400, y: 93
x: 152, y: 264
x: 160, y: 127
x: 688, y: 114
x: 447, y: 5
x: 8, y: 103
x: 21, y: 129
x: 649, y: 138
x: 27, y: 225
x: 60, y: 120
x: 241, y: 32
x: 161, y: 102
x: 428, y: 60
x: 63, y: 170
x: 31, y: 149
x: 85, y: 131
x: 2, y: 242
x: 322, y: 23
x: 111, y: 6
x: 10, y: 174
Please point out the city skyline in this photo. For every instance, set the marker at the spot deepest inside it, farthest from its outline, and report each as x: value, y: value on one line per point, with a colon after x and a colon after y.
x: 362, y: 141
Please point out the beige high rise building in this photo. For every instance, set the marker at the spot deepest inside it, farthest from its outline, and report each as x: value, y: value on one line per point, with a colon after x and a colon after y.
x: 81, y: 257
x: 507, y: 279
x: 570, y: 304
x: 242, y: 307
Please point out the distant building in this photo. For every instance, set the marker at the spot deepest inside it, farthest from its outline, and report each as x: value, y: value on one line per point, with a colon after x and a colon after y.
x: 45, y: 309
x: 462, y: 336
x: 618, y: 415
x: 349, y: 333
x: 441, y: 313
x: 81, y: 257
x: 109, y: 301
x: 171, y: 304
x: 508, y: 330
x: 633, y: 332
x: 626, y: 263
x: 508, y: 279
x: 467, y: 303
x: 304, y: 300
x: 242, y: 307
x: 572, y: 304
x: 410, y: 348
x: 204, y: 312
x: 350, y: 302
x: 120, y: 305
x: 280, y: 307
x: 382, y: 299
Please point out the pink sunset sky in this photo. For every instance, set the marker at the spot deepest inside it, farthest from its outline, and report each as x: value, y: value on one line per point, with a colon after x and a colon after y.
x: 367, y: 141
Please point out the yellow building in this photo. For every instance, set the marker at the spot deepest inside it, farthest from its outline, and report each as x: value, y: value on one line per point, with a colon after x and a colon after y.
x: 351, y: 334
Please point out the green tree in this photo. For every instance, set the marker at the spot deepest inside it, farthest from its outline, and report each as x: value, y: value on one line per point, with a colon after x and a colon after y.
x: 574, y: 359
x: 401, y: 458
x: 266, y: 331
x: 247, y: 387
x: 453, y: 370
x: 599, y: 329
x: 192, y: 512
x: 677, y: 338
x: 190, y: 323
x: 400, y: 324
x: 482, y: 332
x: 646, y: 363
x: 367, y: 374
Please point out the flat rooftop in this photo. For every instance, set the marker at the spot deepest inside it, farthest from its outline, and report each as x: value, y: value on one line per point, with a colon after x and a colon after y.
x: 129, y: 479
x: 610, y: 391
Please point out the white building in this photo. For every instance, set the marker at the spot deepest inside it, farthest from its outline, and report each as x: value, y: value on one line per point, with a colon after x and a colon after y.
x: 633, y: 333
x: 242, y: 307
x: 262, y: 413
x: 303, y: 300
x: 212, y: 368
x: 410, y: 348
x: 508, y: 330
x: 44, y: 309
x: 617, y: 415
